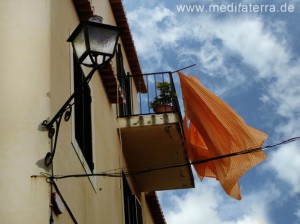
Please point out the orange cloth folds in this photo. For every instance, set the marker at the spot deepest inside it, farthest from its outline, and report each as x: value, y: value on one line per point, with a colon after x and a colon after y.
x: 213, y: 129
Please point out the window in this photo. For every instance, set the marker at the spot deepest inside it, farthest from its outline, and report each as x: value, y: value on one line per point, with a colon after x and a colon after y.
x: 132, y: 207
x: 82, y: 114
x: 125, y: 109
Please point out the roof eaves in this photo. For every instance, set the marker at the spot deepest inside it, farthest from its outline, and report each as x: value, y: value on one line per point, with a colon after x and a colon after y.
x: 128, y: 44
x: 84, y: 9
x: 155, y: 208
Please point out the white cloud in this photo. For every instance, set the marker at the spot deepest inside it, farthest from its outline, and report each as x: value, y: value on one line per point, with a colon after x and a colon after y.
x: 250, y: 38
x: 208, y: 204
x: 285, y: 161
x: 286, y: 92
x: 259, y: 45
x: 195, y: 206
x: 297, y: 213
x: 288, y: 128
x: 151, y: 32
x: 212, y: 57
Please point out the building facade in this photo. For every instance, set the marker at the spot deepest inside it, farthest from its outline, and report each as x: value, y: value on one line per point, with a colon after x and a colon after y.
x: 110, y: 157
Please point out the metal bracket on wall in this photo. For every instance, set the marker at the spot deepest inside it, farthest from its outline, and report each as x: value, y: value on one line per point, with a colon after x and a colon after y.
x: 53, y: 131
x: 66, y: 112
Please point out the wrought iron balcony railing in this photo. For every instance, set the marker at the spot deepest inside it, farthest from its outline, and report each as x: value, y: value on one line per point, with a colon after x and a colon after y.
x: 161, y: 96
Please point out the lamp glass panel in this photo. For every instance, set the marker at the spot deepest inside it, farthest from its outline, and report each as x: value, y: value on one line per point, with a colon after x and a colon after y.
x: 102, y: 40
x: 79, y: 44
x: 87, y: 61
x: 100, y: 59
x: 92, y: 60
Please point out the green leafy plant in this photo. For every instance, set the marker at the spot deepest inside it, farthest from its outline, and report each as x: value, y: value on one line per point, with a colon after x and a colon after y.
x: 165, y: 96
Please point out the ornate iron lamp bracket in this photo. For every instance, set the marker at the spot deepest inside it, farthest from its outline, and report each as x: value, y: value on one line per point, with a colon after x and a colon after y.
x: 53, y: 132
x: 66, y: 112
x: 94, y: 45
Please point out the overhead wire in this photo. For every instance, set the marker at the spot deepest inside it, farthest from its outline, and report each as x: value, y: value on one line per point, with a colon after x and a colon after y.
x: 134, y: 173
x: 51, y: 177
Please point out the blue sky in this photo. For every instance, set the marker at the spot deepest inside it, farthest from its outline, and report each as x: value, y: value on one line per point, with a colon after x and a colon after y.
x: 252, y: 61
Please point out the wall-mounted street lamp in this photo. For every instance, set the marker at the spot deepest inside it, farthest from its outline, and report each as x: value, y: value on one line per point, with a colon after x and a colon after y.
x: 94, y: 45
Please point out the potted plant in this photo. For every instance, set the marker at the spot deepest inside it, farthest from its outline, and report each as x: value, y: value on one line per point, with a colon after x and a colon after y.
x: 163, y: 102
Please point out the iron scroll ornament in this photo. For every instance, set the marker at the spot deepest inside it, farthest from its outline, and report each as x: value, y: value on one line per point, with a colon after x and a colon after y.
x: 66, y: 112
x: 53, y: 132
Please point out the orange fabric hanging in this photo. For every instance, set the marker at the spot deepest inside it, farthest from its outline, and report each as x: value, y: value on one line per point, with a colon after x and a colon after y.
x: 212, y: 129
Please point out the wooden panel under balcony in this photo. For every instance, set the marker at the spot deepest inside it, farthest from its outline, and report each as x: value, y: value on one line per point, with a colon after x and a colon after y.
x: 154, y: 145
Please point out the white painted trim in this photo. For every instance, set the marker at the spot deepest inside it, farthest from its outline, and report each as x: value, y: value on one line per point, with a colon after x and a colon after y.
x: 148, y: 120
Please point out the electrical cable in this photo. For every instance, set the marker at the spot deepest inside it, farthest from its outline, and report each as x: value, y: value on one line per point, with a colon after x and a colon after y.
x: 134, y: 173
x: 282, y: 143
x: 51, y: 220
x: 65, y: 203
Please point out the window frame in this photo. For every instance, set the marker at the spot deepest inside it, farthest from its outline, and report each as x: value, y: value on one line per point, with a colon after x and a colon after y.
x: 132, y: 207
x: 125, y: 109
x: 74, y: 142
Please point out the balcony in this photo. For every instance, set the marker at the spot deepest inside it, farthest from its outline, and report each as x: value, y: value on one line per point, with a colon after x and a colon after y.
x: 152, y: 141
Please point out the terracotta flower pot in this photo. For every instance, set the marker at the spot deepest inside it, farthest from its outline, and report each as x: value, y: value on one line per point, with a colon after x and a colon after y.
x: 162, y: 108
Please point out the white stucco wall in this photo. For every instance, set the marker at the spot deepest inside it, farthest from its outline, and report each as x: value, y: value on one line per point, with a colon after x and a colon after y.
x: 24, y: 84
x: 35, y: 80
